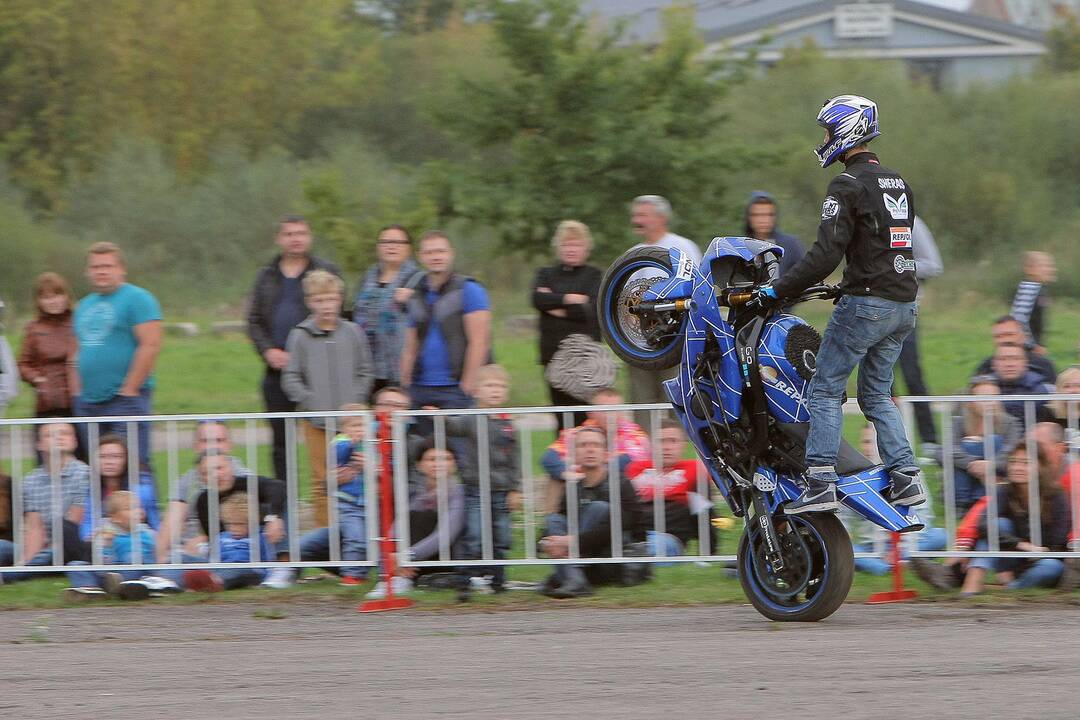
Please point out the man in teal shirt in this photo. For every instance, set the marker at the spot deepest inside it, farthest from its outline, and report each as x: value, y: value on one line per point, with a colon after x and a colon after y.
x: 119, y: 331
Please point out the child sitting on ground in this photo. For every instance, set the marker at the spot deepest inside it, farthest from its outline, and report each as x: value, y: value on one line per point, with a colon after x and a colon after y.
x: 234, y: 546
x: 351, y: 506
x: 117, y: 539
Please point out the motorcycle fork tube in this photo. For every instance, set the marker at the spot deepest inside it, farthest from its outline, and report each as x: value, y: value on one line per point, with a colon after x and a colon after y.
x: 763, y: 519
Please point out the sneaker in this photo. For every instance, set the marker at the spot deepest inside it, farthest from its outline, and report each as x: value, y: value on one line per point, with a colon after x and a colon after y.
x: 84, y: 594
x: 202, y: 580
x: 820, y: 493
x: 936, y: 575
x: 351, y: 581
x: 906, y: 487
x: 401, y: 586
x: 133, y: 590
x: 481, y: 585
x: 110, y: 582
x: 160, y: 586
x: 278, y: 578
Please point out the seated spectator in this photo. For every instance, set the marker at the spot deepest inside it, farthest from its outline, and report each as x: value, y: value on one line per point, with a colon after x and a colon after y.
x: 1013, y: 378
x: 1068, y: 383
x: 47, y: 354
x: 868, y: 537
x: 492, y: 390
x: 351, y: 503
x: 974, y: 427
x: 113, y: 470
x: 329, y: 363
x: 234, y: 546
x: 56, y: 443
x: 593, y: 496
x: 1007, y: 330
x: 117, y: 538
x: 677, y: 483
x: 1014, y: 528
x: 1030, y: 301
x: 7, y: 519
x: 424, y: 521
x: 631, y: 442
x: 272, y: 498
x: 211, y: 438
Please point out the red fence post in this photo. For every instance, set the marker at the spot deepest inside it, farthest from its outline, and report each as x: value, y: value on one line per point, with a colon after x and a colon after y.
x: 386, y: 522
x: 898, y: 593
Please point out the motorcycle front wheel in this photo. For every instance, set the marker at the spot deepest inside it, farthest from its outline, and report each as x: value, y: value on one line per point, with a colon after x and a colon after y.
x: 653, y: 341
x: 818, y: 568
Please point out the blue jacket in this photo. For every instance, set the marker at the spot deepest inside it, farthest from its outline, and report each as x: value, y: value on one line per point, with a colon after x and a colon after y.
x: 120, y: 551
x: 1030, y: 383
x: 238, y: 550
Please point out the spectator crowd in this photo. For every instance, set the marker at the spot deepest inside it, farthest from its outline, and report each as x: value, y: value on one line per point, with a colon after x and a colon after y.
x: 417, y: 335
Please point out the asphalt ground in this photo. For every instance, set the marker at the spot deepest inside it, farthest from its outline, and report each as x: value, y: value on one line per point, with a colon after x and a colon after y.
x: 232, y: 661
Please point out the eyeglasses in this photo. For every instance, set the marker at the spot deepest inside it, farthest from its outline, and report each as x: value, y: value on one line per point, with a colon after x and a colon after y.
x: 393, y: 242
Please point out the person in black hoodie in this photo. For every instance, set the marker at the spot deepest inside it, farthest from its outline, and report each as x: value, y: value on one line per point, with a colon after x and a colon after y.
x: 565, y: 294
x: 762, y: 214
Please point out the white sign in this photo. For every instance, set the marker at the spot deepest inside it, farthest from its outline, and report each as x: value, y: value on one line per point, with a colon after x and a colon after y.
x: 863, y: 20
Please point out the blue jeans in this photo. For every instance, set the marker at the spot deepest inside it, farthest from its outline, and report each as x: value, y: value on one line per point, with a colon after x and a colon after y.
x: 352, y: 519
x: 500, y: 528
x: 119, y: 405
x: 663, y: 544
x: 1043, y: 572
x: 593, y: 516
x: 442, y: 396
x: 86, y: 578
x: 867, y: 332
x: 928, y: 540
x: 7, y: 558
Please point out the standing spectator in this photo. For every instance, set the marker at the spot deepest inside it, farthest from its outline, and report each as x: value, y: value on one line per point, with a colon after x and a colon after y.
x: 565, y: 294
x: 114, y: 477
x: 9, y: 375
x: 48, y: 352
x: 762, y: 214
x: 56, y: 444
x: 1014, y: 528
x: 449, y: 335
x: 380, y: 303
x: 928, y: 265
x: 1007, y: 330
x: 118, y: 327
x: 329, y: 362
x: 1014, y: 378
x: 1030, y: 301
x: 593, y: 497
x: 650, y: 216
x: 277, y: 306
x: 975, y: 426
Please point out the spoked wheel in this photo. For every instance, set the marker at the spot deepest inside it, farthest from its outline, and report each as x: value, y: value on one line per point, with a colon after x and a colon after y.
x: 818, y: 568
x: 653, y: 341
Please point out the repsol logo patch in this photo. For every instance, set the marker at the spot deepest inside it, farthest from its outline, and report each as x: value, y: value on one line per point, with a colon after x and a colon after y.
x: 891, y: 183
x: 899, y: 237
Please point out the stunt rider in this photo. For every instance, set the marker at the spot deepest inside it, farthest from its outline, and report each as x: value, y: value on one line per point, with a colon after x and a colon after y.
x: 866, y: 218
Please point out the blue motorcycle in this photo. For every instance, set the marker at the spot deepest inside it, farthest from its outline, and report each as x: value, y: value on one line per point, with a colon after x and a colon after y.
x: 741, y: 394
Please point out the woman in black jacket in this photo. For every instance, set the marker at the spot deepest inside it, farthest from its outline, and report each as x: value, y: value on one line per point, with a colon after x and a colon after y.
x: 565, y: 294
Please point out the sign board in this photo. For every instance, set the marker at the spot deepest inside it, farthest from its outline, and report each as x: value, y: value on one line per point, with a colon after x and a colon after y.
x: 863, y: 20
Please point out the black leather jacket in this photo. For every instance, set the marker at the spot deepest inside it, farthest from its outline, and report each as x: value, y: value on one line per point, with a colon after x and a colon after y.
x: 260, y: 319
x: 866, y: 218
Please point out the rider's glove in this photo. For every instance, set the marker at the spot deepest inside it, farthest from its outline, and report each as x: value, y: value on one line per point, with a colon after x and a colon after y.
x: 764, y: 295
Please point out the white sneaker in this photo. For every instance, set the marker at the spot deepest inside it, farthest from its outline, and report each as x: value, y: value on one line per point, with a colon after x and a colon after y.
x: 278, y: 578
x: 83, y: 594
x: 481, y: 585
x: 160, y: 586
x: 401, y: 586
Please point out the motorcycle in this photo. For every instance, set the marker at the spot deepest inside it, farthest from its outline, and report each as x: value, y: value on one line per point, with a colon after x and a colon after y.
x: 740, y: 393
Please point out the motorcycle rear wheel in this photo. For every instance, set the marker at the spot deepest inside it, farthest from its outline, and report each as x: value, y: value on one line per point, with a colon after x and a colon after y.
x: 818, y: 571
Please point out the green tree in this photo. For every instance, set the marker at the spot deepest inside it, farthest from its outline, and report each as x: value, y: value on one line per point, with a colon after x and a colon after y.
x: 576, y: 121
x: 1063, y: 46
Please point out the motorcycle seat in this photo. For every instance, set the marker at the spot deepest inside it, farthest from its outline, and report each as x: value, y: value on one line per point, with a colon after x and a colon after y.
x: 848, y: 460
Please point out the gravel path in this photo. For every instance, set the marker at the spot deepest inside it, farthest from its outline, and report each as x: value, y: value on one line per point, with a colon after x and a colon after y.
x: 220, y: 661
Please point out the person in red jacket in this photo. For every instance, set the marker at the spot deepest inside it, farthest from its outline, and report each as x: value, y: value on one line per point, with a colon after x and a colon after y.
x: 677, y: 483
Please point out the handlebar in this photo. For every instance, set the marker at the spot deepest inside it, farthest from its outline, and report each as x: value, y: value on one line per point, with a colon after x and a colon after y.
x: 815, y: 292
x: 644, y: 308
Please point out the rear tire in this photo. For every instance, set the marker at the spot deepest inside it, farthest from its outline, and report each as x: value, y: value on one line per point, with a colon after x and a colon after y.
x: 831, y: 566
x: 653, y: 342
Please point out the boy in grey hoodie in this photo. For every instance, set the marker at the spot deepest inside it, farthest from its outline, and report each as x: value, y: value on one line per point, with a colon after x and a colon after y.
x: 329, y: 365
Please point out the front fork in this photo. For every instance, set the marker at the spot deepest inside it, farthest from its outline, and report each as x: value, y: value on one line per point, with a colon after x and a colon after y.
x: 758, y: 515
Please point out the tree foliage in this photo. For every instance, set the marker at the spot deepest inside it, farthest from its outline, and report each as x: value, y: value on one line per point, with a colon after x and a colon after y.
x: 579, y: 122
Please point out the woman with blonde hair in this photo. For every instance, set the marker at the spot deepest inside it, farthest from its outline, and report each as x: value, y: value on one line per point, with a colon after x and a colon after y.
x: 975, y: 425
x: 47, y: 356
x: 565, y: 296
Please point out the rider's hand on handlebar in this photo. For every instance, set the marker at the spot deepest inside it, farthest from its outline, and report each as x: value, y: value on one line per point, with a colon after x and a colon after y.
x: 764, y: 295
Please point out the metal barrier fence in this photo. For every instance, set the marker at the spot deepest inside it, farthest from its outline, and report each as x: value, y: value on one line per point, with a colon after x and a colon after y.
x: 460, y: 430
